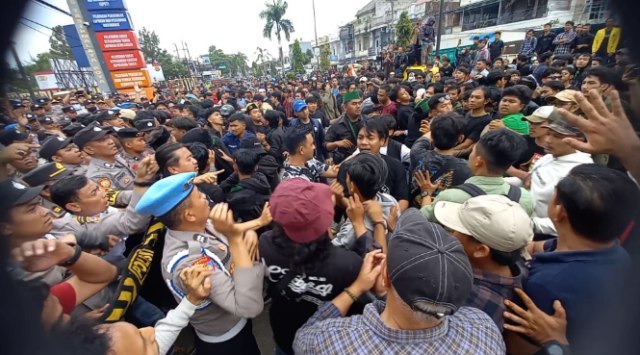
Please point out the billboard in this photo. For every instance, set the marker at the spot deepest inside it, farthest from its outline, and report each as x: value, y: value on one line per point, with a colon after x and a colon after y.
x: 155, y: 72
x: 126, y: 79
x: 46, y: 80
x: 124, y: 60
x: 106, y: 5
x: 117, y: 40
x: 73, y: 39
x: 111, y: 21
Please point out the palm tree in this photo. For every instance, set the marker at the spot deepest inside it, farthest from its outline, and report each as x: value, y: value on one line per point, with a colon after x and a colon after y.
x: 238, y: 63
x: 262, y: 56
x: 274, y: 16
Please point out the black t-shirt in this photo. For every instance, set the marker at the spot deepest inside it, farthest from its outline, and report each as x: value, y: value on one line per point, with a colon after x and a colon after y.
x: 475, y: 126
x: 446, y: 71
x: 495, y: 49
x: 319, y: 115
x: 396, y: 178
x: 302, y: 296
x: 530, y: 155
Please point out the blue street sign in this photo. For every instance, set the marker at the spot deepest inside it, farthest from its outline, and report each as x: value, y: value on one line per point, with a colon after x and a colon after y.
x: 111, y: 21
x: 106, y: 5
x: 73, y: 39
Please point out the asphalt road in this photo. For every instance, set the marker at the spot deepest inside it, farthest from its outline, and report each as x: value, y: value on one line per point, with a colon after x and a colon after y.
x: 262, y: 332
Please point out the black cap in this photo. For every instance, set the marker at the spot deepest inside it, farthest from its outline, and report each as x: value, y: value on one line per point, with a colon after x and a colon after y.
x: 252, y: 144
x: 16, y: 104
x: 42, y: 100
x: 35, y: 107
x: 51, y: 145
x: 107, y: 115
x: 14, y: 194
x: 72, y: 129
x: 46, y: 120
x: 96, y: 96
x: 198, y: 135
x: 144, y: 125
x: 45, y: 173
x: 89, y: 102
x: 64, y: 122
x: 128, y: 133
x: 68, y: 109
x: 427, y: 265
x: 9, y: 136
x: 89, y: 134
x: 31, y: 117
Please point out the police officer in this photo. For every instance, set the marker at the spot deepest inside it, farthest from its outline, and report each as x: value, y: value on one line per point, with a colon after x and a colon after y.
x: 45, y: 176
x: 134, y: 146
x: 222, y: 322
x: 111, y: 118
x: 89, y: 205
x: 46, y: 104
x: 70, y: 113
x: 106, y: 167
x: 62, y: 150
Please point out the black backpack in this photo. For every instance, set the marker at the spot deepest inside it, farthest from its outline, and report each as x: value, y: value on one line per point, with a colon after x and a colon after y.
x: 514, y: 193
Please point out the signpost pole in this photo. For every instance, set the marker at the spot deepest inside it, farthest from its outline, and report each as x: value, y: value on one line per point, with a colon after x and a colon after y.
x: 91, y: 46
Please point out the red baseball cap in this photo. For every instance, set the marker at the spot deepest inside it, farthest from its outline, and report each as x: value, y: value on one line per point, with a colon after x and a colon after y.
x: 303, y: 209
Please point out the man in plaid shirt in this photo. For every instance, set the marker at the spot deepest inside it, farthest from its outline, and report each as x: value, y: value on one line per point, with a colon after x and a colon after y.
x: 564, y: 40
x: 529, y: 44
x: 494, y: 231
x: 427, y: 277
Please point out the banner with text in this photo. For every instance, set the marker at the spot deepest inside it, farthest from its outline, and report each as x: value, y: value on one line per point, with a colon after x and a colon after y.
x: 111, y: 21
x: 124, y: 60
x: 117, y: 41
x: 106, y: 5
x: 127, y: 79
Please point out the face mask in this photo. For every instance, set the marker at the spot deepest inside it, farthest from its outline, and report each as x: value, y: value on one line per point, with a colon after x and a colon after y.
x: 77, y: 107
x: 92, y: 109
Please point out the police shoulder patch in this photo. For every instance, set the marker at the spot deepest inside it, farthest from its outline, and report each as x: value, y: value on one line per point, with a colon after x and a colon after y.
x: 105, y: 183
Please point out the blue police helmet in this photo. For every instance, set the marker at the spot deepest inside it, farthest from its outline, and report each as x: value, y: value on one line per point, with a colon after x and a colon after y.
x: 166, y: 194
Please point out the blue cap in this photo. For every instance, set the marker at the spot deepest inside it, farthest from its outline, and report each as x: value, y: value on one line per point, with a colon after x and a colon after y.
x: 166, y: 194
x: 191, y: 96
x: 299, y: 105
x: 126, y: 105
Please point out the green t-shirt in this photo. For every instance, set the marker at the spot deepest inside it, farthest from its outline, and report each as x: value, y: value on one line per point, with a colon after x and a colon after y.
x: 515, y: 123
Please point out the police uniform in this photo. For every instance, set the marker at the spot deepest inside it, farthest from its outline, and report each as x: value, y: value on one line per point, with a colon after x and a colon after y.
x: 132, y: 160
x: 236, y: 294
x: 77, y: 169
x: 52, y: 145
x: 116, y: 175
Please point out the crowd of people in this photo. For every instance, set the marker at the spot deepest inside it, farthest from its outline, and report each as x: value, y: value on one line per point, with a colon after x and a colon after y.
x: 468, y: 206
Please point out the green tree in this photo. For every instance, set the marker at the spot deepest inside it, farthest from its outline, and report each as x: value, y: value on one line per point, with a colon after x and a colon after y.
x: 291, y: 75
x: 274, y: 17
x: 171, y: 66
x: 404, y: 30
x: 308, y: 56
x: 325, y: 57
x: 58, y: 43
x: 263, y: 56
x: 298, y: 58
x: 149, y: 45
x: 256, y: 70
x: 218, y: 57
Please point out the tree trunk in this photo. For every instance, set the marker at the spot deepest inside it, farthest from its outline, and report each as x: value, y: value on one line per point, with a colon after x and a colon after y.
x: 281, y: 55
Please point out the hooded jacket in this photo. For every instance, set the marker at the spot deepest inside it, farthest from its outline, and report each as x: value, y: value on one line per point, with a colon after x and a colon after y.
x: 268, y: 166
x: 248, y: 197
x: 546, y: 174
x: 346, y: 237
x: 428, y: 32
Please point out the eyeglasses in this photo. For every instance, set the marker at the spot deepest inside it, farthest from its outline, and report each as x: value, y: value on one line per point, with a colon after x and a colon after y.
x: 444, y: 98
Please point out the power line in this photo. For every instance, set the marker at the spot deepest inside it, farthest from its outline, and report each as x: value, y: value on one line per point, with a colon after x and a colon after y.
x: 24, y: 24
x: 49, y: 28
x: 53, y: 7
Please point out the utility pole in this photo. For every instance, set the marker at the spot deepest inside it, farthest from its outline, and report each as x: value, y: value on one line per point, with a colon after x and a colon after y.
x: 195, y: 69
x: 23, y: 73
x: 177, y: 52
x: 393, y: 17
x: 315, y: 29
x: 439, y: 27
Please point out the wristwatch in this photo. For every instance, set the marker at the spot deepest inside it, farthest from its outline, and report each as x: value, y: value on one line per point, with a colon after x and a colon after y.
x: 425, y: 194
x: 556, y: 348
x: 74, y: 258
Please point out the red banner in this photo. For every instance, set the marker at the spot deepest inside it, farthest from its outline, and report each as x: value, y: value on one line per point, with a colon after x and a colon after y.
x: 124, y: 60
x: 117, y: 41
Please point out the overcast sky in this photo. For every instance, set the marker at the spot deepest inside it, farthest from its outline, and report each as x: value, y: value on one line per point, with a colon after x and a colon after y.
x: 232, y: 26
